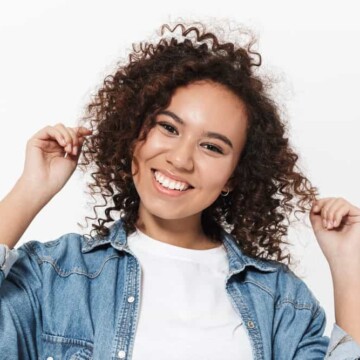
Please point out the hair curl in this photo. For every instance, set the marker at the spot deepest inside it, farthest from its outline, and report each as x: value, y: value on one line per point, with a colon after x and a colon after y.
x: 268, y: 185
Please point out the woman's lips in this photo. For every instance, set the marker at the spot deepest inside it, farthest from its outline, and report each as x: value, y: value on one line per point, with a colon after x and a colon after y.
x: 163, y: 175
x: 164, y: 190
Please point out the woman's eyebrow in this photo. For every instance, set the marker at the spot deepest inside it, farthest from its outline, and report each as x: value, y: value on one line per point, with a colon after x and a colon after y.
x: 218, y: 136
x: 171, y: 114
x: 209, y: 134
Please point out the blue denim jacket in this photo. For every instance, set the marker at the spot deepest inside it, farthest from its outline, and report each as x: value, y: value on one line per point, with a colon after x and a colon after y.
x: 78, y: 298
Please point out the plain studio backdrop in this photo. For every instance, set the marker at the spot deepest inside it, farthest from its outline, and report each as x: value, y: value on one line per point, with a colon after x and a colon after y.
x: 55, y: 54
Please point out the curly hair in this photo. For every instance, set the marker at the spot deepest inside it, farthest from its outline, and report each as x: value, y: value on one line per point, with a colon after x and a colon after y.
x: 268, y: 184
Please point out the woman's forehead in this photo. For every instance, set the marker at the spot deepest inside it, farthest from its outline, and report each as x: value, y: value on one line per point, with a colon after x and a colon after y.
x: 208, y: 104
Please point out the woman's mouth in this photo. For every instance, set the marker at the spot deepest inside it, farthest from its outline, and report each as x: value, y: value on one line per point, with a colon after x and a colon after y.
x: 170, y: 184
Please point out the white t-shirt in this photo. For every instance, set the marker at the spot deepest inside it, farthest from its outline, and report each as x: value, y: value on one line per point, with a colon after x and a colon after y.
x: 185, y: 311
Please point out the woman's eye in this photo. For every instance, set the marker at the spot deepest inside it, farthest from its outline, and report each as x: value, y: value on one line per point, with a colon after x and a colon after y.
x: 169, y: 128
x: 213, y: 148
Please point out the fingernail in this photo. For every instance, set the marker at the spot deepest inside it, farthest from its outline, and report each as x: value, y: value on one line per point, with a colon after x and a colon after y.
x: 324, y: 223
x: 75, y: 150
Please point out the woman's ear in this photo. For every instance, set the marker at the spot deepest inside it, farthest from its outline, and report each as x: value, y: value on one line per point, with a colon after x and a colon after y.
x: 230, y: 184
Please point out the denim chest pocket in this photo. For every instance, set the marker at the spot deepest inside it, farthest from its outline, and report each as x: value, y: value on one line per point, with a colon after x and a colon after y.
x: 65, y: 348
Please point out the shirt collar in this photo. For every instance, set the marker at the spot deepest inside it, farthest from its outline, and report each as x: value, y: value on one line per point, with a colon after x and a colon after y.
x: 116, y: 238
x: 237, y: 260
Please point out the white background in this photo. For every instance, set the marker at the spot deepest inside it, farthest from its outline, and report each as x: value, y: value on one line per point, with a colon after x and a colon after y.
x: 54, y: 54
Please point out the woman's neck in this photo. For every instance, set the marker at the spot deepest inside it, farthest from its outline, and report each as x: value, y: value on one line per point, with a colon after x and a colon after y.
x: 186, y: 233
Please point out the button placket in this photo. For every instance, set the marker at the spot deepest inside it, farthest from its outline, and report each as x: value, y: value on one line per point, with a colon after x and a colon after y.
x: 121, y: 353
x: 125, y: 327
x: 243, y: 305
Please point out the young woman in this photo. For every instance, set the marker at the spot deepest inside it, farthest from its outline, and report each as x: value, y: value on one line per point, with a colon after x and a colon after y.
x: 199, y: 181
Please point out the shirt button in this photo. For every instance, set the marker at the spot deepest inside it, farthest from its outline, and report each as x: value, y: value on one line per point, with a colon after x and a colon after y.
x: 49, y: 358
x: 250, y: 324
x: 131, y: 299
x: 121, y: 354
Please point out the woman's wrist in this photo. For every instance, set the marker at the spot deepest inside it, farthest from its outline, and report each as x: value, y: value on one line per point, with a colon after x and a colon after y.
x: 346, y: 299
x: 35, y: 195
x: 17, y: 211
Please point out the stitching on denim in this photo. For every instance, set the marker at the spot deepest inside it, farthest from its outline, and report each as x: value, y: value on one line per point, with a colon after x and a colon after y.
x: 76, y: 270
x: 83, y: 354
x: 343, y: 340
x: 60, y: 339
x: 297, y: 305
x: 29, y: 247
x: 254, y: 333
x: 317, y: 311
x: 6, y: 255
x: 261, y: 286
x: 52, y: 243
x: 243, y: 260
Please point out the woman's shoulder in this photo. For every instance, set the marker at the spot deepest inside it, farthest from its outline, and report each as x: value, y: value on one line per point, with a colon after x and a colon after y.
x: 284, y: 286
x: 68, y: 243
x: 265, y: 276
x: 68, y: 253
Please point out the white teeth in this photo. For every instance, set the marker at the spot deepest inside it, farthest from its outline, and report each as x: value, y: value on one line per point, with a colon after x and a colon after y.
x: 169, y: 183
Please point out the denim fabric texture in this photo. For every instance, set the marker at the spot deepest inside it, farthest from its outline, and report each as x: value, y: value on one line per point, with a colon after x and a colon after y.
x: 78, y: 298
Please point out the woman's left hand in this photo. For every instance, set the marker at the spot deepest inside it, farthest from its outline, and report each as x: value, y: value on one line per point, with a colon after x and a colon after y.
x: 336, y: 224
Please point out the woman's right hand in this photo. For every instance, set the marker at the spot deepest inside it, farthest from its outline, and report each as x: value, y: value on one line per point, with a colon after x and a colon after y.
x: 51, y: 157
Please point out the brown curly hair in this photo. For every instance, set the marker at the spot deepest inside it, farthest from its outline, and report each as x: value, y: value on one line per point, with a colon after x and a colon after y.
x: 268, y: 184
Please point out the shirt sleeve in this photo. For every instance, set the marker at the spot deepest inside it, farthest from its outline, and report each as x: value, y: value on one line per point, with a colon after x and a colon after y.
x: 7, y: 259
x: 342, y: 346
x: 20, y: 303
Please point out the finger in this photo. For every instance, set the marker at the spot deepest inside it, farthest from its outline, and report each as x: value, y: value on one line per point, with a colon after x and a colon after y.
x: 67, y: 136
x: 321, y: 207
x: 329, y: 209
x: 319, y: 204
x: 82, y: 131
x: 333, y: 207
x: 49, y: 133
x: 324, y: 210
x: 339, y: 214
x: 75, y: 141
x: 72, y: 137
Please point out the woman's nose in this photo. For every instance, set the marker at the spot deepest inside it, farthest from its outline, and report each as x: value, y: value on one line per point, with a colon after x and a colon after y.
x: 181, y: 156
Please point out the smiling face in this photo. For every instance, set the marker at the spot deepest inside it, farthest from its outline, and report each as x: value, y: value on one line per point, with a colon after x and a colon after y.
x: 189, y: 156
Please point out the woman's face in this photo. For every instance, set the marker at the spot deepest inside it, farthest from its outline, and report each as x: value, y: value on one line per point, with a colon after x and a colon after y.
x: 190, y: 154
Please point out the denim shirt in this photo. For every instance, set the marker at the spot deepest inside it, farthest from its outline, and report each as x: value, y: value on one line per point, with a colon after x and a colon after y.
x: 78, y: 298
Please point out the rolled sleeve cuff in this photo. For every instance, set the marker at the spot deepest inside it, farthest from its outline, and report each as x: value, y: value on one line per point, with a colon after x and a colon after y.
x: 7, y: 259
x: 342, y: 346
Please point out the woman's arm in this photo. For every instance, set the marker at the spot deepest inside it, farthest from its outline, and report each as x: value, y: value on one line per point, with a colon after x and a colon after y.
x: 45, y: 172
x: 336, y: 225
x: 17, y: 210
x: 347, y: 299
